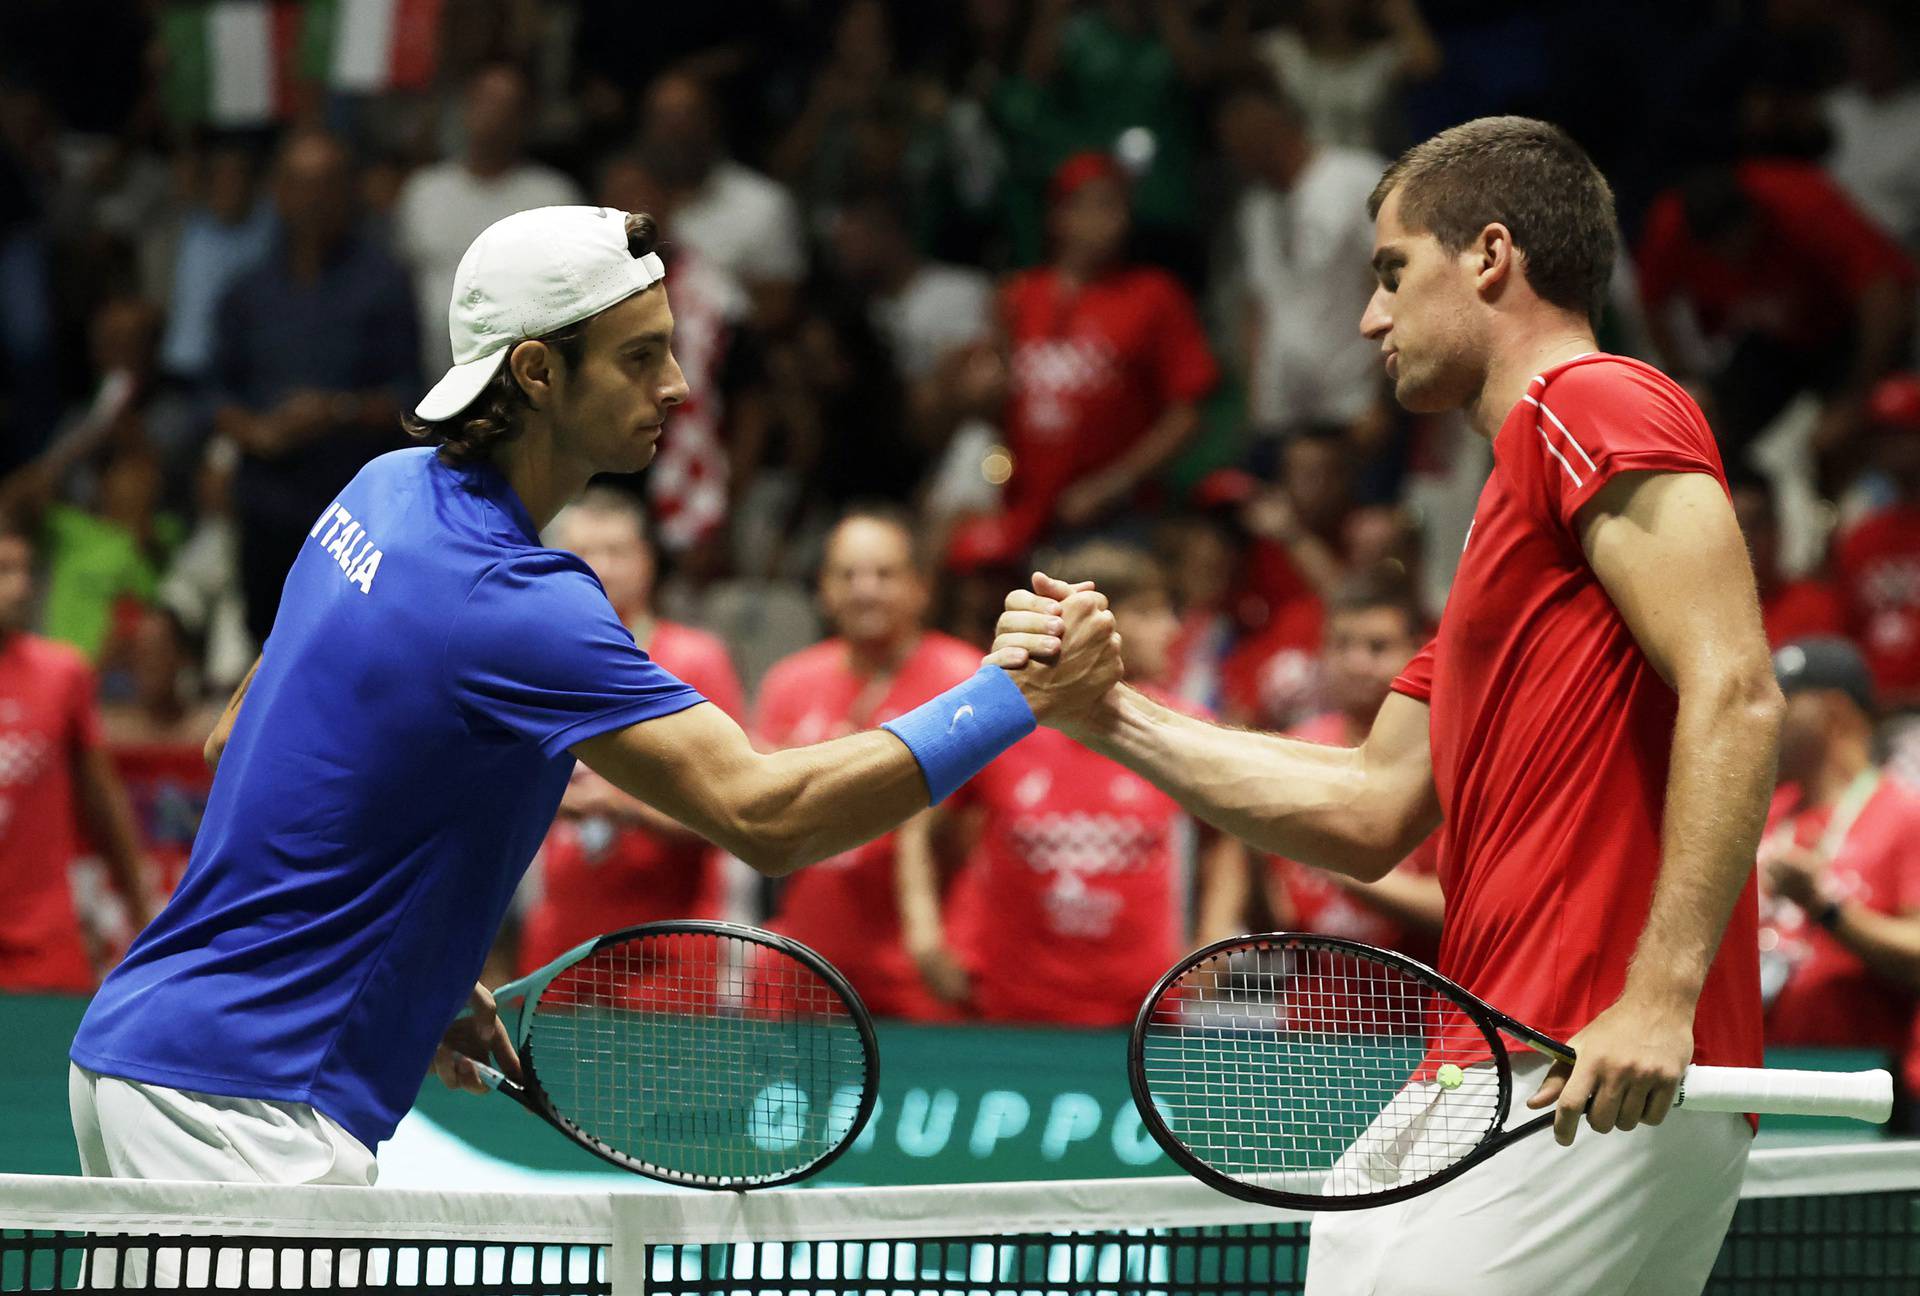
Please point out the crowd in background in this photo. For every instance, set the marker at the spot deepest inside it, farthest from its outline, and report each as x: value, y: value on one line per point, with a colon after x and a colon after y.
x: 959, y: 288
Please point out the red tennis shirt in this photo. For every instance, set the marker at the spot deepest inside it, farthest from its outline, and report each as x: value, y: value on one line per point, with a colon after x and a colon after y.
x: 1551, y: 730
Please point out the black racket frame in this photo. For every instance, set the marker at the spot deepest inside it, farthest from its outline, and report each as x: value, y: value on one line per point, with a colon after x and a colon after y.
x: 1491, y: 1021
x: 533, y: 1095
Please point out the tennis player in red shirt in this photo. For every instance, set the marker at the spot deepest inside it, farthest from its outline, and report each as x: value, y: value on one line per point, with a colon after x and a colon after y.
x: 612, y: 860
x: 880, y: 663
x: 1596, y: 723
x: 55, y: 776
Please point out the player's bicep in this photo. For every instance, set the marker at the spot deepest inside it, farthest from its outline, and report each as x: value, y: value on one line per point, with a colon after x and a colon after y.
x: 691, y: 765
x: 1667, y: 550
x: 1398, y: 757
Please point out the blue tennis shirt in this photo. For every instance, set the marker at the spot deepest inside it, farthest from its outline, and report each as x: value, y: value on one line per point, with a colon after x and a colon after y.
x: 398, y: 757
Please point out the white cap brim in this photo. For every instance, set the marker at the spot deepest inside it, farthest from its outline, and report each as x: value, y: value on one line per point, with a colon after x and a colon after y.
x: 461, y: 385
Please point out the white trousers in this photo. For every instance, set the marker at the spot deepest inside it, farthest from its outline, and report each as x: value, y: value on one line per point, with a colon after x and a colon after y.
x: 1639, y: 1213
x: 129, y: 1130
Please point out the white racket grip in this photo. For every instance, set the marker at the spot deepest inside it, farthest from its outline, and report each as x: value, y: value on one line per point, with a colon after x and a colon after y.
x: 1858, y: 1095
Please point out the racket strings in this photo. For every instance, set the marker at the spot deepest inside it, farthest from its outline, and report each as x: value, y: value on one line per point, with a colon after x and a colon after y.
x: 700, y: 1055
x: 1319, y: 1071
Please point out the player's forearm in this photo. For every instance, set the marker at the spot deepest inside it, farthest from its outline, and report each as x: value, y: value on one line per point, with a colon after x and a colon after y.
x: 1722, y: 774
x: 808, y: 803
x: 1318, y: 804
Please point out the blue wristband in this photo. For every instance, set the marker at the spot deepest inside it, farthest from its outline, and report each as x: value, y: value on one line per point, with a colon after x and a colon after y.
x: 957, y: 734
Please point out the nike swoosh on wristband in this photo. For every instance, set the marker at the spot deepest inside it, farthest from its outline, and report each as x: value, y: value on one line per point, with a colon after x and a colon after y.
x: 963, y: 713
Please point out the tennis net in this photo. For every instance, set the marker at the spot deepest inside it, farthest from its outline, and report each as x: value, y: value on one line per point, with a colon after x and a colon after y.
x: 1832, y: 1221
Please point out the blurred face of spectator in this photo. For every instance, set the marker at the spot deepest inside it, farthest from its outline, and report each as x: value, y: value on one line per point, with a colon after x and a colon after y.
x: 159, y: 657
x: 124, y: 334
x: 678, y: 135
x: 1248, y: 126
x: 229, y: 185
x: 862, y: 45
x: 1366, y: 648
x: 16, y: 582
x: 869, y: 587
x: 130, y: 490
x: 313, y: 189
x: 496, y: 113
x: 1317, y: 479
x: 1090, y: 224
x: 611, y: 543
x: 1761, y: 530
x: 1426, y: 316
x: 1148, y: 628
x: 1813, y: 718
x: 868, y: 244
x: 608, y: 409
x: 626, y: 185
x: 1206, y: 560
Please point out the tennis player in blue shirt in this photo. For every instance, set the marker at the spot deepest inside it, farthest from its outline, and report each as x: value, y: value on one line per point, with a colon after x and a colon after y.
x: 387, y: 769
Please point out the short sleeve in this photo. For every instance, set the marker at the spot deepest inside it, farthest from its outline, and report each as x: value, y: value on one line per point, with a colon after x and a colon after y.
x: 537, y: 651
x: 1416, y: 681
x: 1595, y: 421
x: 1184, y: 368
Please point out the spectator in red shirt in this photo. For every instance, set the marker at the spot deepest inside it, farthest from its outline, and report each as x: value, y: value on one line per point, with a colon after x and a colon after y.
x: 612, y: 860
x: 157, y: 742
x: 1108, y: 365
x: 1840, y: 899
x: 1776, y: 260
x: 55, y: 781
x: 1075, y: 894
x: 1877, y: 560
x: 1373, y: 630
x: 1789, y: 609
x: 879, y: 664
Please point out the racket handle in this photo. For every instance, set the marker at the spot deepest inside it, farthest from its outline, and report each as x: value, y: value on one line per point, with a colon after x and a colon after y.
x: 1858, y: 1095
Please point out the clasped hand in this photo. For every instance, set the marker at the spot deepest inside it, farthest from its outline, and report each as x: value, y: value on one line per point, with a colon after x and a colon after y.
x: 1059, y: 643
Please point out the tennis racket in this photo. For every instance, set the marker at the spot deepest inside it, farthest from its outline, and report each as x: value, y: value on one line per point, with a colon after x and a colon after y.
x: 1323, y: 1074
x: 699, y: 1053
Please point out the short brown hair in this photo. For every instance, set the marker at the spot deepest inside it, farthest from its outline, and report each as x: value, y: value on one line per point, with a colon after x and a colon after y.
x: 1120, y: 571
x: 493, y: 418
x: 1370, y: 591
x: 1527, y: 175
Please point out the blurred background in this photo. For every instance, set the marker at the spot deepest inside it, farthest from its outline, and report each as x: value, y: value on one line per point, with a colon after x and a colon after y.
x: 961, y: 287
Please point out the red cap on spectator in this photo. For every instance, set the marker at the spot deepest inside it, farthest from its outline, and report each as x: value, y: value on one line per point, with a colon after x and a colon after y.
x: 1226, y: 488
x: 1079, y: 171
x: 1895, y: 403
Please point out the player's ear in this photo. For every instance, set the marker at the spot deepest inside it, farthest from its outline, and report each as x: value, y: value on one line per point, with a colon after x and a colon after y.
x: 531, y: 363
x: 1494, y: 256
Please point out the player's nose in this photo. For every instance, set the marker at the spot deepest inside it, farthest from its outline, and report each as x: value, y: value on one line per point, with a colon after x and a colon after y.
x: 1375, y: 321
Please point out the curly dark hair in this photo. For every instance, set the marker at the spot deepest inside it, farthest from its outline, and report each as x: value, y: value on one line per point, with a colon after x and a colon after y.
x: 494, y: 416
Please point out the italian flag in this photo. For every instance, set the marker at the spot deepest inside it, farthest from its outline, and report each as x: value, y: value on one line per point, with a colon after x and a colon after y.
x: 235, y: 63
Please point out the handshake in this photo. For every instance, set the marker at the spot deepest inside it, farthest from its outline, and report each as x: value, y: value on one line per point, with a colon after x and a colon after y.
x: 1059, y: 643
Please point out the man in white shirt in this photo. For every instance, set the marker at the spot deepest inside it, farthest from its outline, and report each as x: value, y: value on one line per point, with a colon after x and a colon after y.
x: 738, y: 220
x: 1303, y: 242
x: 443, y: 208
x: 1875, y: 118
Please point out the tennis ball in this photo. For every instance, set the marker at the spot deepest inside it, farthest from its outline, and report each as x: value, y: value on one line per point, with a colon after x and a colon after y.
x: 1449, y: 1076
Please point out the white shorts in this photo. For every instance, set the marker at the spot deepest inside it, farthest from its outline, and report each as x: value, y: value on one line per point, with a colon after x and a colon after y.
x: 129, y: 1130
x: 1639, y: 1213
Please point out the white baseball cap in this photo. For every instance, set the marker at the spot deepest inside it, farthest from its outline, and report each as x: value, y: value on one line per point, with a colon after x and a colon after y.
x: 527, y: 275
